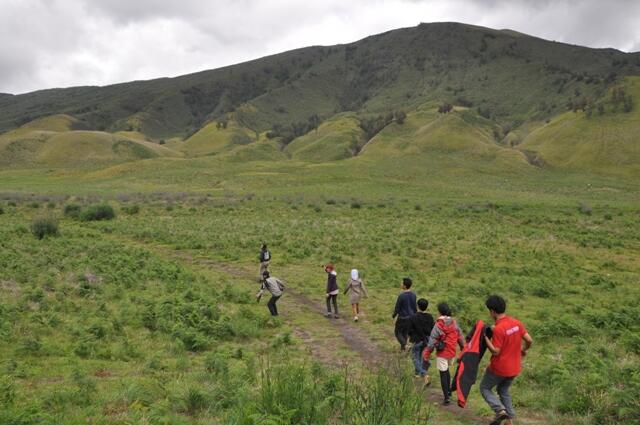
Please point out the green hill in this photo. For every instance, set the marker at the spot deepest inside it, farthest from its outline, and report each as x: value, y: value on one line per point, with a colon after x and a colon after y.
x: 52, y: 141
x: 509, y: 91
x: 509, y: 76
x: 338, y: 138
x: 607, y: 142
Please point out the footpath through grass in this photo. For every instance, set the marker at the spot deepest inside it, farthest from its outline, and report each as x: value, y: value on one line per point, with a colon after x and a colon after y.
x: 96, y: 325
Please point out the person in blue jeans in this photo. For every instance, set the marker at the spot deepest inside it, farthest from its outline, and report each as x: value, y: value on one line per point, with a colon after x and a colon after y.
x: 419, y: 331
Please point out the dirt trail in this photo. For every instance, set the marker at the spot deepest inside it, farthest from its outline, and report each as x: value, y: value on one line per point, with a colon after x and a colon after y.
x: 355, y: 338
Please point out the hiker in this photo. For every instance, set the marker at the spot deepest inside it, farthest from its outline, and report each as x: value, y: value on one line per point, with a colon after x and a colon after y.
x: 276, y: 287
x: 332, y: 290
x: 265, y: 257
x: 506, y: 359
x: 419, y: 331
x: 405, y: 309
x: 356, y: 286
x: 446, y: 334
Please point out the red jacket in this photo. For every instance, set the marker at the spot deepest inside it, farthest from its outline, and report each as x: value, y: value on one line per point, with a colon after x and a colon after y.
x: 446, y: 329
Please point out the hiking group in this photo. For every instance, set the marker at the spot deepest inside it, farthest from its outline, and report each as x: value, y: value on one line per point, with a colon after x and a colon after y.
x: 504, y: 339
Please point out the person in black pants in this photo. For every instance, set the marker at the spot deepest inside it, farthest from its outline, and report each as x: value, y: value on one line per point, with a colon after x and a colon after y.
x: 405, y: 309
x: 332, y: 290
x: 276, y: 287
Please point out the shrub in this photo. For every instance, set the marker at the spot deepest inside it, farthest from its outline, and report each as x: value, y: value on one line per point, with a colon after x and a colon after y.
x: 98, y: 212
x: 131, y: 210
x: 331, y: 201
x: 44, y: 226
x: 72, y: 210
x: 33, y: 205
x: 356, y: 205
x: 1, y: 210
x: 585, y: 209
x: 51, y: 205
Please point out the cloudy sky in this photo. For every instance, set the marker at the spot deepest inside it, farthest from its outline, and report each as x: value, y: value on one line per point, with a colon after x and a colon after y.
x: 60, y: 43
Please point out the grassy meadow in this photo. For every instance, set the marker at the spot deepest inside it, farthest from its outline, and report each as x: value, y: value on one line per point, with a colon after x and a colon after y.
x: 150, y: 317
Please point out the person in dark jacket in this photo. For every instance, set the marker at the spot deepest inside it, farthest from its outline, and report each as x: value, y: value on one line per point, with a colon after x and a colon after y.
x: 265, y: 258
x: 332, y: 290
x: 419, y: 331
x: 405, y: 309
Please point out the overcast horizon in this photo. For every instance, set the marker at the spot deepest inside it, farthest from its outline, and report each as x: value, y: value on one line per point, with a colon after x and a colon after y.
x: 64, y: 43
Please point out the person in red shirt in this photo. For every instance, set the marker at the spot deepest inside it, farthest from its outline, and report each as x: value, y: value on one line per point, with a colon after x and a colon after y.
x: 506, y: 359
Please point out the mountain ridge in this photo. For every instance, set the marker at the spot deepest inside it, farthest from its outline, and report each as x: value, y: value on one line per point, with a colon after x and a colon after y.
x: 325, y: 103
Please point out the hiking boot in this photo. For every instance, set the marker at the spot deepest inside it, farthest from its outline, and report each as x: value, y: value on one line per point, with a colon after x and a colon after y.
x: 501, y: 416
x: 355, y: 319
x: 328, y: 314
x: 335, y: 316
x: 446, y: 402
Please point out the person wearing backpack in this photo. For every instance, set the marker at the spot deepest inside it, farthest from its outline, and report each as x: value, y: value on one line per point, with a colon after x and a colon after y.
x: 276, y: 287
x: 332, y: 290
x: 265, y: 257
x: 419, y: 331
x: 404, y: 310
x: 446, y: 334
x: 356, y: 286
x: 507, y: 351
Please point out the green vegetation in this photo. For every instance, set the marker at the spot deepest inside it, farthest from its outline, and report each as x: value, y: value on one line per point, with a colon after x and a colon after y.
x: 97, y: 212
x: 44, y: 226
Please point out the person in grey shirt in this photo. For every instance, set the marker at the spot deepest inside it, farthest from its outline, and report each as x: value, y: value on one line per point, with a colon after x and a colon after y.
x: 276, y: 287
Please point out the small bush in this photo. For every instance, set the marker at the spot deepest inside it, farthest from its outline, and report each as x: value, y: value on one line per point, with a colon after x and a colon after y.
x: 98, y: 212
x: 356, y: 205
x: 33, y: 205
x: 44, y: 226
x: 51, y: 205
x: 72, y: 210
x: 585, y: 209
x: 131, y: 210
x: 331, y: 201
x: 1, y: 210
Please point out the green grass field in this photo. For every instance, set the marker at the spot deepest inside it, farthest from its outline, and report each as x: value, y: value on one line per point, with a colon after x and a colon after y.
x: 149, y: 318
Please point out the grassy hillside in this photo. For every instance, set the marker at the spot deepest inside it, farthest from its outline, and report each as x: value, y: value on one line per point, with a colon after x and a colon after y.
x: 52, y: 142
x: 607, y: 142
x: 509, y: 76
x: 337, y: 138
x: 213, y: 138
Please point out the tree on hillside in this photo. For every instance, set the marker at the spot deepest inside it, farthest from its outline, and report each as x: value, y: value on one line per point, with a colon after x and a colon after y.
x: 400, y: 116
x: 617, y: 97
x: 445, y: 108
x: 222, y: 123
x: 314, y: 121
x: 628, y: 103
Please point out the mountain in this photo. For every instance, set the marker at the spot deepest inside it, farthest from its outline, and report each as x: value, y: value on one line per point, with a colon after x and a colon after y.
x: 508, y: 92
